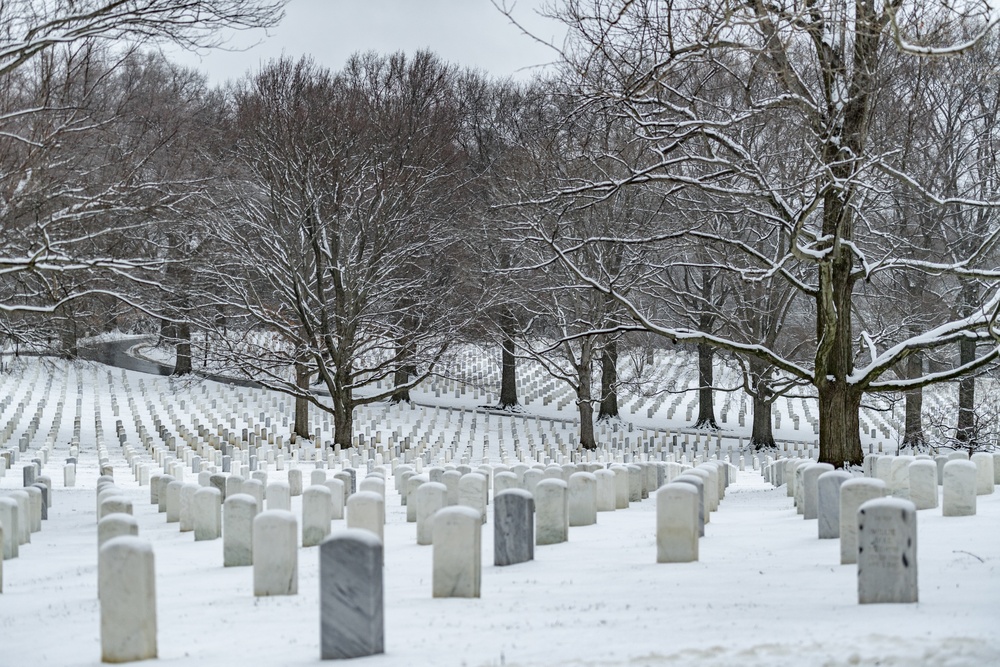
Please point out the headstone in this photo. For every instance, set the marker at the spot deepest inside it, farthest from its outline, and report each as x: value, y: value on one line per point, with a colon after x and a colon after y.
x: 923, y: 484
x: 810, y: 492
x: 173, y: 498
x: 207, y: 514
x: 621, y: 486
x: 158, y: 490
x: 275, y: 554
x: 984, y: 473
x: 112, y: 526
x: 295, y: 482
x: 472, y: 493
x: 10, y: 519
x: 457, y: 569
x: 635, y: 477
x: 366, y: 511
x: 351, y: 598
x: 187, y: 506
x: 582, y: 499
x: 234, y: 485
x: 428, y: 499
x: 219, y: 482
x: 531, y: 478
x: 699, y: 484
x: 605, y: 490
x: 114, y: 505
x: 35, y: 503
x: 127, y: 585
x: 255, y: 488
x: 23, y: 515
x: 552, y: 512
x: 279, y: 496
x: 504, y: 480
x: 677, y: 507
x: 513, y: 532
x: 899, y: 476
x: 853, y: 493
x: 958, y: 496
x: 337, y: 498
x: 450, y: 478
x: 374, y: 484
x: 887, y: 551
x: 317, y: 508
x: 828, y: 507
x: 238, y: 512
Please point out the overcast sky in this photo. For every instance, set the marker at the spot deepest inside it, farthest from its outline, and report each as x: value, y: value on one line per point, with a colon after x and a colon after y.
x: 466, y: 32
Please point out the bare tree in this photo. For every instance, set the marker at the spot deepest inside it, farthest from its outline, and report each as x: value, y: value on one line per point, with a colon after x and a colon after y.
x: 816, y: 71
x: 339, y: 253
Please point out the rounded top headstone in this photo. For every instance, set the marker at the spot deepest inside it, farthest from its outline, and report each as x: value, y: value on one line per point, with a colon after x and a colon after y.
x: 367, y: 537
x: 521, y: 493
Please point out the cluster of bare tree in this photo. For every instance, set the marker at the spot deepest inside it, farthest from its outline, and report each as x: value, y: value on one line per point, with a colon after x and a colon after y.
x: 807, y: 189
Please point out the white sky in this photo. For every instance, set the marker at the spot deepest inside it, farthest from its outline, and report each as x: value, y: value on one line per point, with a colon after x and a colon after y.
x: 470, y: 33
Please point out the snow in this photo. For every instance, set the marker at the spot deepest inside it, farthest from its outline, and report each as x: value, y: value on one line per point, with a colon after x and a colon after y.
x: 765, y: 592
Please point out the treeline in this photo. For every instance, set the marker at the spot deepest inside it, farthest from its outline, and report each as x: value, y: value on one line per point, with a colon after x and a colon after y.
x: 802, y: 191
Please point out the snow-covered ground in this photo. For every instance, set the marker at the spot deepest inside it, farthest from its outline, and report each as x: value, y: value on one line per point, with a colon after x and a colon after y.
x: 765, y: 592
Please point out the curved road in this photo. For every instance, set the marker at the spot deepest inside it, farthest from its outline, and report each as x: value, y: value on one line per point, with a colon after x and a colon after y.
x: 117, y: 353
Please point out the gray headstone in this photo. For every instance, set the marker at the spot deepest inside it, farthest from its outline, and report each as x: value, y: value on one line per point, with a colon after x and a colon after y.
x: 810, y: 491
x: 828, y: 507
x: 351, y: 598
x: 887, y: 551
x: 514, y: 527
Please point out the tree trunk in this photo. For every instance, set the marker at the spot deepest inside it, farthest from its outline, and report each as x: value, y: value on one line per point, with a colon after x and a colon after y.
x: 343, y: 419
x: 182, y: 350
x: 167, y: 332
x: 68, y: 348
x: 965, y: 429
x: 508, y: 374
x: 583, y: 396
x: 609, y: 382
x: 839, y: 424
x: 761, y: 432
x: 343, y: 407
x: 706, y: 404
x: 400, y: 392
x: 301, y: 426
x: 913, y: 430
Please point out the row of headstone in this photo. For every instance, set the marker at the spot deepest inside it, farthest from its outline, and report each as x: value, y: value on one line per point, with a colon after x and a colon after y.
x: 683, y: 507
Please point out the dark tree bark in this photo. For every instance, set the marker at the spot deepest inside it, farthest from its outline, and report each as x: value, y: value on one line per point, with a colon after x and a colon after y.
x: 401, y: 391
x: 182, y: 349
x: 300, y: 429
x: 913, y: 430
x: 508, y: 374
x: 609, y: 381
x: 68, y: 333
x: 965, y: 429
x: 584, y: 394
x: 761, y: 431
x: 706, y: 380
